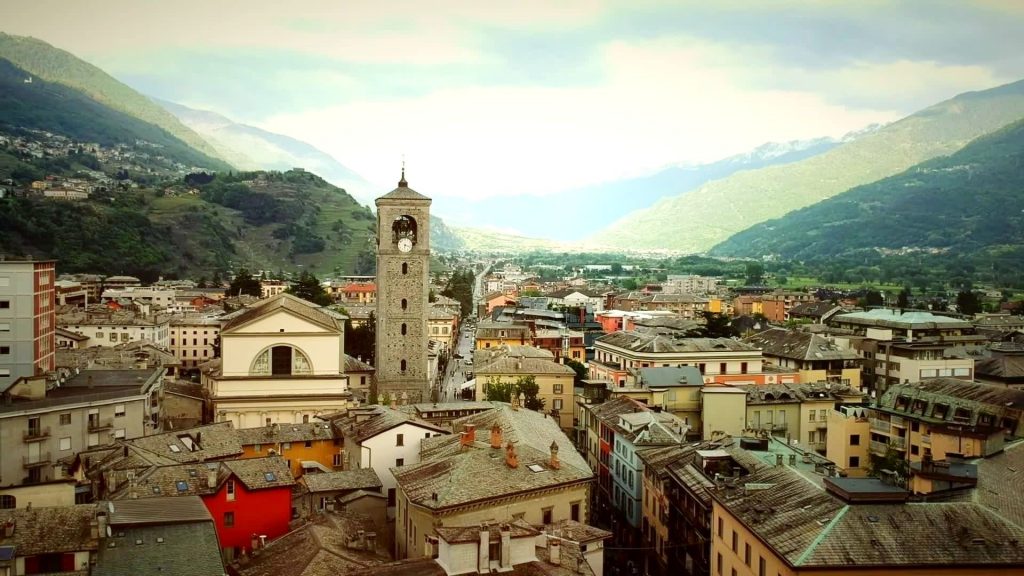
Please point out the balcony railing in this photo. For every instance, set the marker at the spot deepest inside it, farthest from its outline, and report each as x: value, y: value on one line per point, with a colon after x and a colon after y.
x: 97, y: 425
x: 879, y: 448
x: 926, y: 439
x: 36, y: 433
x: 882, y: 426
x: 898, y: 443
x: 898, y: 421
x: 33, y: 462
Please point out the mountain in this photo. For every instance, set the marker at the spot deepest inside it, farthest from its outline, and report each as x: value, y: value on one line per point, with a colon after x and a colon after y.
x: 57, y: 108
x: 251, y: 148
x: 968, y: 203
x: 45, y: 62
x: 702, y: 218
x: 571, y: 215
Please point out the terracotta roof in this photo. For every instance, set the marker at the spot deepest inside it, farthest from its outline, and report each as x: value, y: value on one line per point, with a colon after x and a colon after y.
x: 357, y: 479
x: 50, y: 530
x: 293, y: 304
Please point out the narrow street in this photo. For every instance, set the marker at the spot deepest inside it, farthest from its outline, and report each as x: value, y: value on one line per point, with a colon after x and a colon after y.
x: 457, y: 369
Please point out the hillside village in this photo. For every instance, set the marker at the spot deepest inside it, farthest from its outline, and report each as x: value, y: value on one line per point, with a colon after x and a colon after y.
x: 670, y: 430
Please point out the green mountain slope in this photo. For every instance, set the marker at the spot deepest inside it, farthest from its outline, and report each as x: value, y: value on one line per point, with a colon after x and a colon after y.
x: 54, y: 65
x: 700, y: 219
x: 968, y: 203
x: 56, y: 108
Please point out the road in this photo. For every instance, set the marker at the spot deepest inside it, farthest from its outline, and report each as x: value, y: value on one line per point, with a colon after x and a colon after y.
x: 457, y: 369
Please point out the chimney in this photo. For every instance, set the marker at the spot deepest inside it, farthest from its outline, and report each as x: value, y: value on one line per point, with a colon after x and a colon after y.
x: 101, y: 524
x: 484, y: 555
x: 371, y: 541
x: 554, y: 463
x: 468, y: 436
x: 9, y: 529
x: 211, y: 478
x: 778, y: 459
x: 496, y: 436
x: 94, y: 529
x: 505, y: 562
x: 554, y: 550
x: 511, y: 458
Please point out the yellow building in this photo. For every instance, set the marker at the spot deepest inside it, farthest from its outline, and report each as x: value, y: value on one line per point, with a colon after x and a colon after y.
x: 509, y: 364
x: 723, y: 411
x: 847, y: 442
x: 777, y: 521
x: 673, y: 389
x: 816, y: 357
x: 496, y: 334
x: 306, y: 447
x: 798, y: 412
x: 507, y: 464
x: 282, y: 361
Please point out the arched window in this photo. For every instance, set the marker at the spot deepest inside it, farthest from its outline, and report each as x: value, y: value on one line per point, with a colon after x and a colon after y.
x: 405, y: 268
x: 403, y: 227
x: 405, y: 304
x: 8, y: 502
x: 281, y: 360
x: 403, y: 329
x: 403, y: 365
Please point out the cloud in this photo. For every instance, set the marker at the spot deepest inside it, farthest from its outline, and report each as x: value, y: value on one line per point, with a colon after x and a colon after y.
x: 660, y: 102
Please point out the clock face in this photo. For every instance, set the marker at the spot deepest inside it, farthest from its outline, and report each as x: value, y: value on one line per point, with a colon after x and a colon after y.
x: 405, y: 244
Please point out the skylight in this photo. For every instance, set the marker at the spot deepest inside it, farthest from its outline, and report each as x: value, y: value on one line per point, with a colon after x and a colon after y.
x: 269, y: 477
x: 182, y: 486
x: 535, y: 468
x: 174, y: 448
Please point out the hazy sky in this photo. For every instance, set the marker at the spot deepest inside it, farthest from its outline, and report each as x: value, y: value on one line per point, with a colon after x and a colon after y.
x: 495, y: 98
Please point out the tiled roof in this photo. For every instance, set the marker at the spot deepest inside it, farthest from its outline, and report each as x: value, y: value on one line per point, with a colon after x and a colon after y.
x: 319, y: 548
x: 577, y: 531
x: 520, y: 365
x: 259, y: 473
x: 285, y: 433
x: 356, y: 365
x: 183, y: 549
x: 798, y: 345
x: 457, y: 534
x: 664, y: 343
x: 350, y: 423
x: 357, y: 479
x: 886, y: 317
x: 158, y: 511
x: 954, y: 393
x: 812, y: 309
x: 194, y: 479
x: 213, y: 441
x: 293, y: 304
x: 403, y: 192
x: 449, y: 475
x: 1001, y: 366
x: 50, y: 530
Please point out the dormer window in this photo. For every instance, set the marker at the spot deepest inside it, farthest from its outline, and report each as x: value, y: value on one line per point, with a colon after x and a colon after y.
x: 962, y: 415
x: 940, y: 411
x: 902, y: 402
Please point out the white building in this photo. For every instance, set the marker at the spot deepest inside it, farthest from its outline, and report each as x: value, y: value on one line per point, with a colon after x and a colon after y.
x: 154, y: 297
x: 113, y: 327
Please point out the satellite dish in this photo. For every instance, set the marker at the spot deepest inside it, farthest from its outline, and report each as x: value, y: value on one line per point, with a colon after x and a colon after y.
x: 109, y: 531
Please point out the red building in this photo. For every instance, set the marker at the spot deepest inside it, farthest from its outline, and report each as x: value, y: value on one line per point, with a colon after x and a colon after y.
x: 252, y: 498
x: 28, y: 320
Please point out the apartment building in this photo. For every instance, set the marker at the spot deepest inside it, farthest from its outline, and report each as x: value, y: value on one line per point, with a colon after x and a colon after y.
x: 508, y: 364
x: 816, y: 357
x: 107, y: 327
x: 27, y: 319
x: 195, y: 339
x: 155, y: 298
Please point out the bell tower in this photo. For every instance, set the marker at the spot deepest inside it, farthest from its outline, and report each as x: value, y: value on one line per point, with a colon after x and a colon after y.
x: 403, y: 284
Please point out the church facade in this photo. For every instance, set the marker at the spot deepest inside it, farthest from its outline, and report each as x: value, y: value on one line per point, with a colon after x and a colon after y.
x: 403, y: 284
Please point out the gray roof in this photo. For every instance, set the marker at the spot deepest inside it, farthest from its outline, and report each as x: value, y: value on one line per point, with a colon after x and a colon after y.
x: 886, y: 317
x: 665, y: 343
x: 953, y: 393
x: 357, y: 479
x: 448, y: 475
x: 351, y: 423
x: 799, y: 345
x: 285, y: 433
x: 293, y: 304
x: 158, y: 511
x: 670, y: 376
x: 48, y: 530
x: 813, y: 309
x: 183, y: 549
x: 212, y: 441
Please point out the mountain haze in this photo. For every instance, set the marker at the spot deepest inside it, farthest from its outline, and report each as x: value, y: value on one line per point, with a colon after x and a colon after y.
x: 696, y: 221
x: 250, y: 148
x: 54, y: 65
x: 969, y: 202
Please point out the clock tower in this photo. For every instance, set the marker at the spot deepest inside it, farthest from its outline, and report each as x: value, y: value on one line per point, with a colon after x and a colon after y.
x: 403, y: 284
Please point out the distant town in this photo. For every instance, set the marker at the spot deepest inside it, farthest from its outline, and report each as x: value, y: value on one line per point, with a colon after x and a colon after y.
x: 499, y: 416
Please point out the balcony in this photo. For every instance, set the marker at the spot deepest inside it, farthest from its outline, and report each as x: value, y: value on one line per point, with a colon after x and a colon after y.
x: 35, y: 462
x: 898, y: 421
x: 879, y: 448
x: 882, y: 426
x: 926, y: 439
x: 97, y: 425
x: 898, y: 442
x: 36, y: 433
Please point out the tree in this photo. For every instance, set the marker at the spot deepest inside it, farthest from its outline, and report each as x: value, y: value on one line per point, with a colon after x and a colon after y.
x: 243, y: 283
x: 755, y: 274
x: 616, y: 269
x: 717, y: 326
x: 873, y: 298
x: 308, y: 288
x: 967, y: 302
x: 903, y: 299
x: 579, y: 368
x: 497, y: 390
x: 360, y: 340
x: 629, y: 284
x: 892, y: 462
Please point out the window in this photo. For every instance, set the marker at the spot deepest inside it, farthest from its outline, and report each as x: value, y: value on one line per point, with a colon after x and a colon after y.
x: 914, y: 426
x: 722, y: 368
x: 574, y: 511
x: 546, y: 515
x: 231, y: 490
x: 286, y: 446
x: 94, y: 439
x: 735, y: 541
x: 118, y: 410
x: 399, y: 462
x: 405, y: 304
x: 746, y: 553
x: 404, y: 329
x: 4, y: 350
x: 229, y: 518
x: 810, y: 417
x: 337, y: 461
x: 854, y: 439
x: 400, y: 440
x: 65, y: 419
x: 719, y: 564
x: 914, y: 449
x: 309, y: 443
x: 65, y: 444
x: 556, y: 404
x: 405, y: 268
x: 761, y: 568
x: 391, y: 497
x: 402, y: 365
x: 810, y: 437
x: 558, y: 389
x: 5, y: 304
x: 119, y: 433
x: 8, y: 502
x: 854, y: 461
x: 743, y: 367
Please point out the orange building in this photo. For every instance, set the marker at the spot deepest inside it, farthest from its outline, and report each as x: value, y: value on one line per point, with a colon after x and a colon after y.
x: 306, y: 446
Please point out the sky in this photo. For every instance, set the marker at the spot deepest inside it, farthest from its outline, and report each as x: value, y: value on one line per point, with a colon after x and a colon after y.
x: 539, y: 96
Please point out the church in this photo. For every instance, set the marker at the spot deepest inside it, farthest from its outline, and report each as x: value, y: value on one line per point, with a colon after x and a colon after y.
x: 403, y: 284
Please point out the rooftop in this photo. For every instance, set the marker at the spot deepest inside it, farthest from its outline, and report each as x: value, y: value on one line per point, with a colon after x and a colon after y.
x: 647, y: 342
x: 50, y: 530
x: 158, y: 511
x: 285, y: 433
x: 358, y: 479
x: 289, y: 303
x: 904, y: 319
x: 798, y: 345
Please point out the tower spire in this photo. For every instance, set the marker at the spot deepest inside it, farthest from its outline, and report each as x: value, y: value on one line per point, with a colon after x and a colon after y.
x: 402, y: 183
